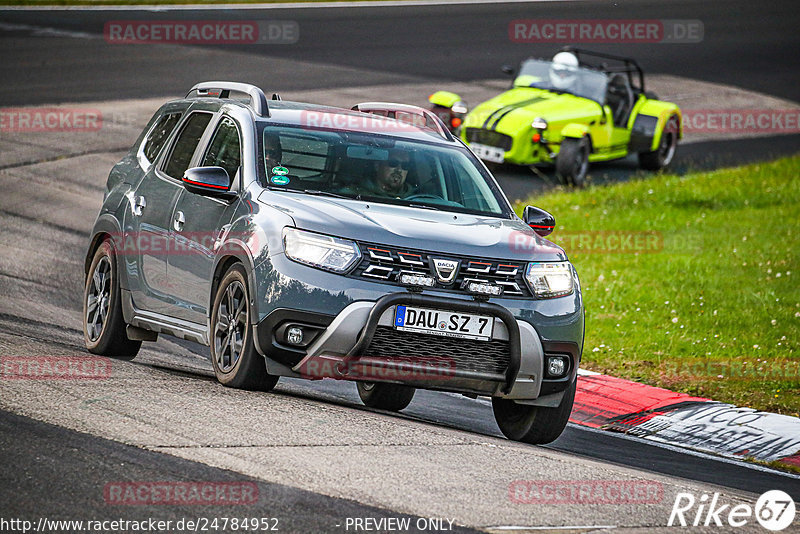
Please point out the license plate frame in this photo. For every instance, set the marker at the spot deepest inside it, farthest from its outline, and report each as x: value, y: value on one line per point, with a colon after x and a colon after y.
x: 447, y: 323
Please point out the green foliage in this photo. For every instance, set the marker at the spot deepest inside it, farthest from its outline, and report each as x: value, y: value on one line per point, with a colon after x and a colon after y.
x: 716, y: 311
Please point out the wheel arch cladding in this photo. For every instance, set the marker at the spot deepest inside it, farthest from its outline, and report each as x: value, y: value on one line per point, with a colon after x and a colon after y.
x: 233, y: 256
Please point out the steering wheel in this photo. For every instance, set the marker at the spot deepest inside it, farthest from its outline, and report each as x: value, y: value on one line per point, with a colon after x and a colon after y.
x: 420, y: 196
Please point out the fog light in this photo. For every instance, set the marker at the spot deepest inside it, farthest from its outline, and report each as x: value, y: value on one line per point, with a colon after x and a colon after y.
x: 408, y: 278
x: 295, y: 335
x: 556, y: 366
x: 483, y: 288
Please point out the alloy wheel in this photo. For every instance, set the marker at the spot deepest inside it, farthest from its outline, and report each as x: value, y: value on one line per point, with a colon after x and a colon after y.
x: 98, y: 299
x: 231, y: 327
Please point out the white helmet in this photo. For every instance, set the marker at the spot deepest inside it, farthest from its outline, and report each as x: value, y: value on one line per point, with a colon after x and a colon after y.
x: 564, y: 70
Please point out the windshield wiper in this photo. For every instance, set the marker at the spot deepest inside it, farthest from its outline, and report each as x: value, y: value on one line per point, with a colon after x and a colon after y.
x: 423, y: 206
x: 320, y: 193
x: 315, y: 192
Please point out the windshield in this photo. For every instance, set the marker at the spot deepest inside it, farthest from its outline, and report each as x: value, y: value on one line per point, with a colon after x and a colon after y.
x: 578, y: 81
x: 378, y: 168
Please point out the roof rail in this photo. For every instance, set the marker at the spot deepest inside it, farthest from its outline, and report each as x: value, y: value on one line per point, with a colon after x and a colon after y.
x: 258, y: 101
x: 432, y: 122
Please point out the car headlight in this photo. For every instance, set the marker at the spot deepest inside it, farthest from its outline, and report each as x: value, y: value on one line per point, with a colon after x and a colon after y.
x: 548, y: 280
x: 459, y: 107
x: 539, y: 123
x: 321, y: 251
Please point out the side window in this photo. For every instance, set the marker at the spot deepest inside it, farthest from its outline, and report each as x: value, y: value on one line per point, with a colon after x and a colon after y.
x: 185, y: 145
x: 159, y: 134
x: 224, y: 149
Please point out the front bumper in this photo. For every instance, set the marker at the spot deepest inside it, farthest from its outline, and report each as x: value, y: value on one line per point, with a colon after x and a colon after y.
x: 353, y: 346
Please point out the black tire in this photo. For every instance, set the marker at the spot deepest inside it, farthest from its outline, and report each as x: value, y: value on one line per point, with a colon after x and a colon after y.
x: 533, y: 424
x: 391, y: 397
x: 237, y: 363
x: 103, y: 323
x: 572, y: 161
x: 663, y: 155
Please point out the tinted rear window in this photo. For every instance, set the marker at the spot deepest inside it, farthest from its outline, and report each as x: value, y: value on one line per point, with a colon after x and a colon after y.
x: 185, y: 145
x: 159, y: 135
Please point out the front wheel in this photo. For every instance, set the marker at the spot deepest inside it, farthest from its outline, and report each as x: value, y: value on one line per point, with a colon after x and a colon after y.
x: 662, y: 156
x: 236, y: 361
x: 391, y: 397
x: 533, y: 424
x: 572, y: 161
x: 103, y: 324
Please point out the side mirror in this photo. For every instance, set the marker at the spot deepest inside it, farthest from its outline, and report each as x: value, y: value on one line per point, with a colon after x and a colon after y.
x: 507, y: 69
x: 538, y: 219
x: 208, y: 181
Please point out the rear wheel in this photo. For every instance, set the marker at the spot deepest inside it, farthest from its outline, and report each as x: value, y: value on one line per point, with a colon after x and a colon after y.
x: 533, y: 424
x: 572, y: 161
x: 103, y: 324
x: 662, y: 156
x: 236, y: 361
x: 391, y: 397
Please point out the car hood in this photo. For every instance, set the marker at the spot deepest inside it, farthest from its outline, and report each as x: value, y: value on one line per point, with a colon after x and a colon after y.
x: 415, y: 228
x: 515, y: 109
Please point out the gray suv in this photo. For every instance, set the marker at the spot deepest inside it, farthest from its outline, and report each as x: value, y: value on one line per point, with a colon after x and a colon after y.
x: 316, y: 242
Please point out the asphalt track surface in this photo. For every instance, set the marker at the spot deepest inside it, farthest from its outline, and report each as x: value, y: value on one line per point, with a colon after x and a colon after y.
x: 748, y: 44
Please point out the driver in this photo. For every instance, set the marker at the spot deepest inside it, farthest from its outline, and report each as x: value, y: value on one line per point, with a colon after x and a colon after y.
x: 391, y: 174
x: 564, y: 70
x: 390, y: 177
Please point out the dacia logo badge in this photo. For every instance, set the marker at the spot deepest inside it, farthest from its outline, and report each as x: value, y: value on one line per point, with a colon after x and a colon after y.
x: 446, y: 270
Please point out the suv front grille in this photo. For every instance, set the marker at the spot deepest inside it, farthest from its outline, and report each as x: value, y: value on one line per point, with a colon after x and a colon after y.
x: 383, y: 264
x: 490, y: 138
x: 444, y: 352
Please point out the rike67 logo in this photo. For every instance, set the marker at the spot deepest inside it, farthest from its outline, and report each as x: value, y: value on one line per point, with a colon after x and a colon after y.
x: 774, y: 510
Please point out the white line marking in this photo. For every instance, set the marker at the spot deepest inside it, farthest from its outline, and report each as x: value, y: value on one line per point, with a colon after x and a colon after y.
x: 42, y: 31
x: 573, y: 527
x: 282, y: 5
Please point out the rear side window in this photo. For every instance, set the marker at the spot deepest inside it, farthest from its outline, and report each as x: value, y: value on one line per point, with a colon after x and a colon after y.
x: 224, y: 149
x: 159, y: 135
x: 186, y: 144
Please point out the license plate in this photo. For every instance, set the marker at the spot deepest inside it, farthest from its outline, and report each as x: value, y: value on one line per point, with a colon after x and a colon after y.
x: 443, y: 323
x: 489, y: 153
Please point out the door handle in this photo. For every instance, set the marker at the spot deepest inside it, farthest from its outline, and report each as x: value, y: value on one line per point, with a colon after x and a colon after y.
x: 177, y: 223
x: 139, y: 205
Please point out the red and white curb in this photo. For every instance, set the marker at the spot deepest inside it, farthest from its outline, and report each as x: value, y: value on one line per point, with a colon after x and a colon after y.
x: 656, y: 414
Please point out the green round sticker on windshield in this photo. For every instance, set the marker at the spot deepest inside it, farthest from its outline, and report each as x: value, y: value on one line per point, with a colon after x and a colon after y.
x: 280, y: 180
x: 280, y: 171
